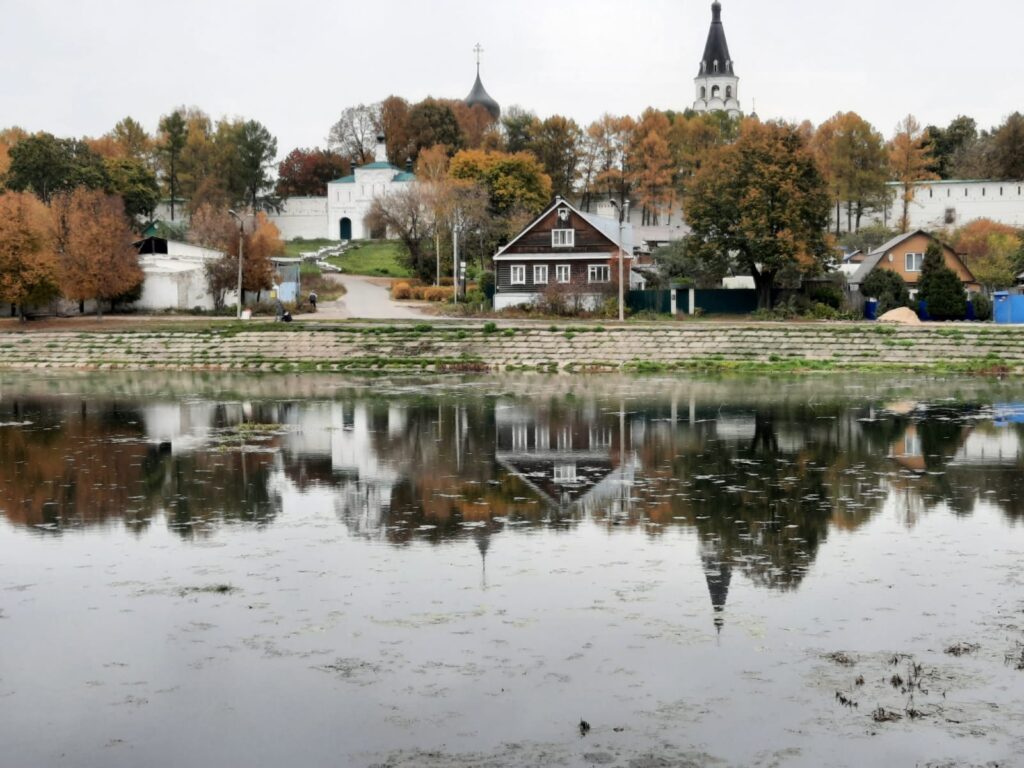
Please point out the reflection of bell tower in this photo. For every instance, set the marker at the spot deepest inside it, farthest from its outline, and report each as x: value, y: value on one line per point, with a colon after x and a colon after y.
x: 718, y: 573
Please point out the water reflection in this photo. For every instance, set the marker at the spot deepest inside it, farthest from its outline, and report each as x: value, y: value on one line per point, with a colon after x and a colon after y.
x: 762, y: 481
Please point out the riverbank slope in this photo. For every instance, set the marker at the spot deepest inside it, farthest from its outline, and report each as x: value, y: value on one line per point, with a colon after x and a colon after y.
x: 446, y: 347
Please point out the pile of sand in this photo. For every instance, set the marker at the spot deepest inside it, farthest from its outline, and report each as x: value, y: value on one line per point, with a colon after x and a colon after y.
x: 903, y: 316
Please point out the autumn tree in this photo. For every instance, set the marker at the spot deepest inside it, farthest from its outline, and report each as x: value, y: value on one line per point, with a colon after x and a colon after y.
x: 394, y: 122
x: 512, y: 181
x: 261, y: 241
x: 651, y: 167
x: 989, y: 250
x: 611, y: 137
x: 910, y: 161
x: 46, y: 165
x: 8, y: 138
x: 28, y: 264
x: 307, y: 172
x: 475, y: 124
x: 95, y: 254
x: 691, y: 138
x: 432, y: 173
x: 354, y: 135
x: 170, y: 144
x: 851, y: 155
x: 556, y: 142
x: 406, y: 213
x: 133, y: 140
x: 762, y: 202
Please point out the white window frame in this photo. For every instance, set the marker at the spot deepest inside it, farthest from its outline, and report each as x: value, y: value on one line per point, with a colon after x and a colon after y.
x: 563, y: 238
x: 910, y: 258
x: 592, y: 271
x: 520, y: 270
x: 540, y: 274
x: 563, y: 273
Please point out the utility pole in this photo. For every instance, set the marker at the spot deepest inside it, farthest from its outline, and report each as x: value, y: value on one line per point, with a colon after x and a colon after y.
x: 623, y: 215
x: 241, y: 253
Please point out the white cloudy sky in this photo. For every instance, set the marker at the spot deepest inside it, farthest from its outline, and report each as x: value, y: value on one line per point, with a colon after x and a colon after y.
x: 75, y: 68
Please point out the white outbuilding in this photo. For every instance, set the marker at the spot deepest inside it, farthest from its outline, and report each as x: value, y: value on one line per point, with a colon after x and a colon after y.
x: 175, y: 275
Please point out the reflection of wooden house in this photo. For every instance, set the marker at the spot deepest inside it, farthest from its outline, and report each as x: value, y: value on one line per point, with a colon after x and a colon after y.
x: 569, y: 462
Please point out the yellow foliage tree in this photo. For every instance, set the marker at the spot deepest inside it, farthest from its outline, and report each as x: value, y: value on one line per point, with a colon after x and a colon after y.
x: 911, y: 161
x: 94, y: 247
x: 28, y: 264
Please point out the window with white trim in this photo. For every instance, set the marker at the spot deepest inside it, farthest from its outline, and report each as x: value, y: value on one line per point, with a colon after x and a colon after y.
x: 563, y: 238
x: 914, y: 262
x: 518, y: 274
x: 563, y: 273
x: 540, y: 274
x: 599, y: 273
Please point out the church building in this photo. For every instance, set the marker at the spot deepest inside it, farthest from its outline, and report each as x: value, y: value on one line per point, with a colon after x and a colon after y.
x: 717, y: 83
x: 349, y: 198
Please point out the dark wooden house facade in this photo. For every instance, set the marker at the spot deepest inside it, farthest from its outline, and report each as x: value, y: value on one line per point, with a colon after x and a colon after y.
x: 565, y: 250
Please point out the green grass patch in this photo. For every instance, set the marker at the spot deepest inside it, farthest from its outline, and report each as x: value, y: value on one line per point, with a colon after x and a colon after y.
x: 377, y: 258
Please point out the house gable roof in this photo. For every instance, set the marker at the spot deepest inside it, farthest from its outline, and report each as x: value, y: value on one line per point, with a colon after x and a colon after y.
x: 873, y: 258
x: 607, y: 228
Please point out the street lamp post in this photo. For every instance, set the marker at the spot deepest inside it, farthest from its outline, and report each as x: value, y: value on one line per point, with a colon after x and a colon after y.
x: 241, y: 251
x: 623, y: 215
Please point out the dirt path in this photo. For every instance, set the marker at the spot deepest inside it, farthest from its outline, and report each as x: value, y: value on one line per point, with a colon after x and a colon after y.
x: 365, y: 298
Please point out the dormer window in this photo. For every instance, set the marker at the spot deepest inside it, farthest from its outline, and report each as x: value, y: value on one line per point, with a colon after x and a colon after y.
x: 563, y: 238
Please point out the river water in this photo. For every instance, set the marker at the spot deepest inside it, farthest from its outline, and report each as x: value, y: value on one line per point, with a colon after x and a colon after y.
x: 319, y: 571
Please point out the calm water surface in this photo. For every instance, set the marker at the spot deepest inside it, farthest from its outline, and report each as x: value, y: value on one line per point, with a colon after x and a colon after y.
x: 287, y: 571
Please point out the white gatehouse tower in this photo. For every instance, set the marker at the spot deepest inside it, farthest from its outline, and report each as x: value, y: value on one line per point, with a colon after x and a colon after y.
x: 717, y: 83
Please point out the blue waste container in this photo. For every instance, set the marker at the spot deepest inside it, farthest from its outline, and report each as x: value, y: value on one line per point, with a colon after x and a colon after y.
x: 871, y: 309
x: 922, y: 310
x: 1008, y: 308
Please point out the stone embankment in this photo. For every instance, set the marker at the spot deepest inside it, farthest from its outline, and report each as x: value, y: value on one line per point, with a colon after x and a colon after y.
x: 447, y: 347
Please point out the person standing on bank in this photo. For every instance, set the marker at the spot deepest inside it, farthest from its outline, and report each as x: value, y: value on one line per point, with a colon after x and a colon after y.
x: 312, y: 300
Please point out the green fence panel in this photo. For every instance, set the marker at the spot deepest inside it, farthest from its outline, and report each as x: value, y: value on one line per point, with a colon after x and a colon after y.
x: 650, y: 301
x: 725, y: 301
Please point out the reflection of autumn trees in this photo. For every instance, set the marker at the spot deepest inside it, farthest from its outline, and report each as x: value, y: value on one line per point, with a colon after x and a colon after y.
x: 87, y: 463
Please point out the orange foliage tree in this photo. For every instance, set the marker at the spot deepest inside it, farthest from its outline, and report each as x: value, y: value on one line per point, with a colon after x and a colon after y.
x: 911, y: 161
x: 28, y: 265
x: 262, y: 240
x: 989, y: 250
x: 94, y: 247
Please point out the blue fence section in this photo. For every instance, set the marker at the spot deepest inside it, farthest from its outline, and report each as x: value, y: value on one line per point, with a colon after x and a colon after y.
x: 1008, y: 309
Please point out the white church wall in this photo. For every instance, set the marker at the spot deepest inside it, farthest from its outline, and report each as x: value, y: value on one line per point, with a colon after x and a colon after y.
x: 304, y: 217
x: 942, y: 204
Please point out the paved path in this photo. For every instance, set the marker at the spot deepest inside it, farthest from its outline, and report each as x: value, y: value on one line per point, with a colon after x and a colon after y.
x: 365, y: 298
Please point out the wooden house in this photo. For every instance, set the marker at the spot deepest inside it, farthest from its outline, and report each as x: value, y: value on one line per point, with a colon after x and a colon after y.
x: 566, y: 251
x: 904, y: 255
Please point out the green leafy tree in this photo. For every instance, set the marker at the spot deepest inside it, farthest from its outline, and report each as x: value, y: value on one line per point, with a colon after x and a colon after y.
x: 940, y: 287
x: 1008, y: 148
x: 888, y: 288
x: 679, y: 262
x: 763, y: 202
x: 256, y: 149
x: 556, y: 143
x: 520, y: 126
x: 950, y: 145
x: 432, y: 122
x: 46, y: 165
x: 171, y: 143
x: 136, y: 185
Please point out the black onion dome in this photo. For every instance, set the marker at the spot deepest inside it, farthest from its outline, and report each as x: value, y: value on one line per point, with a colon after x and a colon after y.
x: 479, y: 96
x: 716, y: 49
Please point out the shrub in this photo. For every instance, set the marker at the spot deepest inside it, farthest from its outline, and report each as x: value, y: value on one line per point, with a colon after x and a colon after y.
x: 490, y: 328
x: 821, y: 311
x: 982, y: 306
x: 940, y: 287
x: 487, y: 282
x: 830, y: 295
x: 475, y: 297
x: 401, y: 291
x: 438, y: 293
x: 447, y: 281
x: 418, y: 292
x: 888, y: 287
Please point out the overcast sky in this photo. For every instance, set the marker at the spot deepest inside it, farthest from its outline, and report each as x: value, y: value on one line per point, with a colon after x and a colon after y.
x: 75, y: 68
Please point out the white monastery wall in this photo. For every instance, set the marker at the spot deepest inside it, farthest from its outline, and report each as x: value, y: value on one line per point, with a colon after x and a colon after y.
x: 941, y: 204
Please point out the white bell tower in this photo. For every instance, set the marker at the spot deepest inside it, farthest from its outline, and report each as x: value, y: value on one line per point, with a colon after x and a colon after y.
x: 716, y: 83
